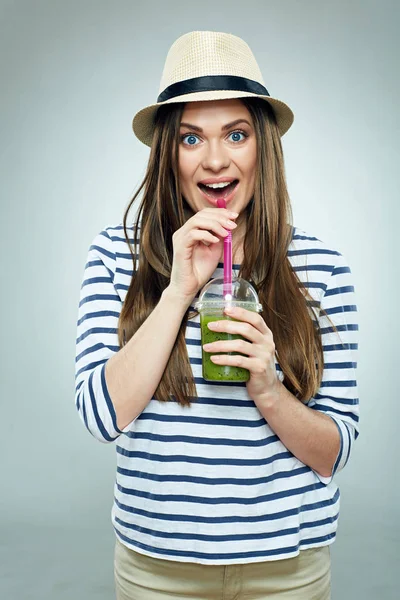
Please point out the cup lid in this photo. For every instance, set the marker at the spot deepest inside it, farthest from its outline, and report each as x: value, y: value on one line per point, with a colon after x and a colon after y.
x: 215, y: 294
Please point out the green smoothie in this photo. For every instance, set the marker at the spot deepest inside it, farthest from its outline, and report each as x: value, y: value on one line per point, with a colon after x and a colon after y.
x: 212, y: 371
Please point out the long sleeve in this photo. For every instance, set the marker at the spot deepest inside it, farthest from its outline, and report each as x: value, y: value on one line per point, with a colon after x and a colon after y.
x: 338, y: 395
x: 97, y: 340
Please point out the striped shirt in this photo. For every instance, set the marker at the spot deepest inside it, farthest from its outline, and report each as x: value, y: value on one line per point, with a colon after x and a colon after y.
x: 212, y: 483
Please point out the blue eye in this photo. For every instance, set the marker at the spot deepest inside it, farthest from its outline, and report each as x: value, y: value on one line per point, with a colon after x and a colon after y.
x: 238, y: 133
x: 191, y: 139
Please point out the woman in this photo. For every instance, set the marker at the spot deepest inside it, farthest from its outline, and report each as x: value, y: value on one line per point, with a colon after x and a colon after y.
x: 222, y: 490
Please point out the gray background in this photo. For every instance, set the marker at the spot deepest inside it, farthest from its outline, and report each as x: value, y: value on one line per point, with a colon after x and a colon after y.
x: 72, y: 76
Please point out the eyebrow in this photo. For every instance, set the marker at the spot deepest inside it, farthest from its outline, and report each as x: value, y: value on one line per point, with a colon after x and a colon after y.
x: 227, y: 126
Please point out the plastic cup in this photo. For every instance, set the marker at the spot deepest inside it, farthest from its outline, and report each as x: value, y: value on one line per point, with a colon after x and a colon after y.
x: 211, y: 305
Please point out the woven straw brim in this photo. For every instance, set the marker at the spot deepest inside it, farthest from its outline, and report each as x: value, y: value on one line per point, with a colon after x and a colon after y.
x: 143, y: 121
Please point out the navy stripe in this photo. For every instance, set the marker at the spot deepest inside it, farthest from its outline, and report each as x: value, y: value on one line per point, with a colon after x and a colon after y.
x: 322, y: 268
x: 340, y: 270
x: 84, y: 415
x: 331, y: 347
x: 192, y: 325
x: 336, y: 411
x: 318, y: 540
x: 147, y: 416
x: 220, y: 556
x: 95, y: 330
x: 305, y: 237
x: 340, y: 453
x: 98, y: 346
x: 226, y: 538
x: 94, y: 263
x: 340, y: 290
x: 350, y: 383
x: 122, y: 286
x: 77, y: 399
x: 110, y: 273
x: 90, y: 366
x: 213, y: 481
x: 99, y: 263
x: 308, y: 251
x: 99, y: 422
x: 349, y: 439
x: 102, y: 251
x: 109, y: 402
x: 125, y: 271
x: 261, y: 518
x: 348, y: 401
x: 205, y: 400
x: 209, y: 441
x: 221, y: 500
x: 237, y: 384
x: 116, y: 238
x: 94, y: 280
x: 102, y: 297
x: 200, y: 460
x: 321, y: 503
x: 118, y: 228
x: 97, y: 315
x: 313, y: 285
x: 345, y: 327
x: 341, y: 309
x: 340, y: 365
x: 195, y: 361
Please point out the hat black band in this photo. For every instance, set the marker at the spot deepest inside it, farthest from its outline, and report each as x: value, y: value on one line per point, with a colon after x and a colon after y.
x: 212, y: 83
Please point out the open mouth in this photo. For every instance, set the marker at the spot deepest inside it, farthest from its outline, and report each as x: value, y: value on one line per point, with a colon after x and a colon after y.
x: 217, y: 193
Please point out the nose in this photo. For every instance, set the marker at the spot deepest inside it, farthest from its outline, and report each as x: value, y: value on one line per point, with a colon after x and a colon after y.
x: 215, y: 157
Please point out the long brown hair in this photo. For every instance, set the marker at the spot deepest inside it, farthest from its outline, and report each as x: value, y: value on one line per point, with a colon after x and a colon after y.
x: 288, y: 309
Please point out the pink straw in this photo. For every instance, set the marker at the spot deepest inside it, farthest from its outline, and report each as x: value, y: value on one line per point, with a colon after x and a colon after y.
x: 227, y: 256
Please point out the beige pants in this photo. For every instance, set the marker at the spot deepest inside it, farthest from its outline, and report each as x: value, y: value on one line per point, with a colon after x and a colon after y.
x: 140, y: 577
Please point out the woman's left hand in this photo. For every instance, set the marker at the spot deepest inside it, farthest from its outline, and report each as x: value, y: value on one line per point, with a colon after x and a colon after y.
x: 258, y: 348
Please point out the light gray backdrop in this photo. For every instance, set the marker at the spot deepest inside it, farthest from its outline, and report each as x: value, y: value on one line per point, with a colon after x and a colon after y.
x: 72, y: 76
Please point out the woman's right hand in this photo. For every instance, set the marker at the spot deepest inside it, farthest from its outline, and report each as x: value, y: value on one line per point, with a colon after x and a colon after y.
x: 198, y: 247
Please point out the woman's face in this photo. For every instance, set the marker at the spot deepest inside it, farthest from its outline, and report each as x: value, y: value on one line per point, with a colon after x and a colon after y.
x: 217, y: 145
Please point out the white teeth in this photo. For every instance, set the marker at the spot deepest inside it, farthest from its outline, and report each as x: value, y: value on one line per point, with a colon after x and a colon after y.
x: 218, y: 185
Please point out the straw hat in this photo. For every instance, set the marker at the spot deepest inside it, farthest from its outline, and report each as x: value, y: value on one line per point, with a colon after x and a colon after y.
x: 208, y: 65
